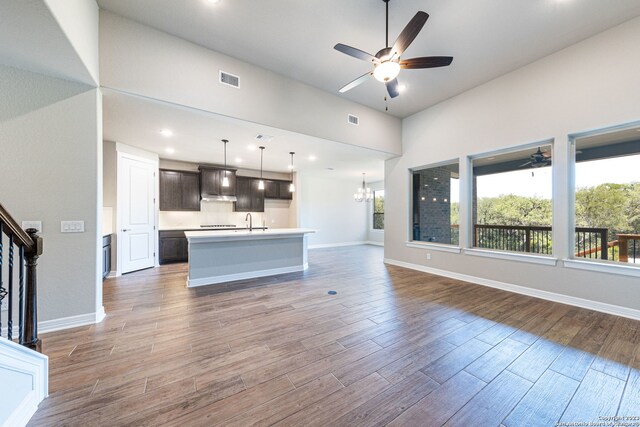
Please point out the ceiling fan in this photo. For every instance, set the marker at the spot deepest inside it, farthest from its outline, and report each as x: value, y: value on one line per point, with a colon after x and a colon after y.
x: 387, y: 62
x: 538, y: 159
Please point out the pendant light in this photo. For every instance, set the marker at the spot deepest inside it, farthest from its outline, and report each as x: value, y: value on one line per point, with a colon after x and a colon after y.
x: 363, y: 194
x: 292, y: 187
x: 225, y: 180
x: 261, y: 182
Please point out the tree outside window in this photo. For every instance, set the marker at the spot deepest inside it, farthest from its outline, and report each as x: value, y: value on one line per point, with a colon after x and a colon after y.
x: 378, y: 210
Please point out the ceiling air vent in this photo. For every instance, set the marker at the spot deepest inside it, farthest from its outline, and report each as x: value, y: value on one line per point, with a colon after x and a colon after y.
x: 353, y: 120
x: 264, y: 138
x: 229, y: 79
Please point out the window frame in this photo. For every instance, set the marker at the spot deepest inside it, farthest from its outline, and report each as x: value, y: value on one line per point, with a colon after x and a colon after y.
x: 568, y: 257
x: 437, y: 246
x: 535, y: 258
x: 373, y: 211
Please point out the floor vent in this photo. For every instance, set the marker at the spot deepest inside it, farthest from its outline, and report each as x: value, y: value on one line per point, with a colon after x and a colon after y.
x: 353, y: 120
x: 229, y: 79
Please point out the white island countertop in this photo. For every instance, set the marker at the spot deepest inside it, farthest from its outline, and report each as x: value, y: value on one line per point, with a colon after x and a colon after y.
x: 226, y: 256
x: 244, y: 234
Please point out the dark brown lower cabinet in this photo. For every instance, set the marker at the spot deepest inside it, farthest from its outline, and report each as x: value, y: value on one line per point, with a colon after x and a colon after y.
x: 174, y: 247
x: 106, y: 255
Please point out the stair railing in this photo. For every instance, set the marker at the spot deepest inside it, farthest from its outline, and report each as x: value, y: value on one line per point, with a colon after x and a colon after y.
x: 28, y: 246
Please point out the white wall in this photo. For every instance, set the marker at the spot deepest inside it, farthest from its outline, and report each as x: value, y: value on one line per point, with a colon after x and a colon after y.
x: 591, y: 85
x: 143, y: 61
x: 78, y: 19
x: 374, y: 236
x: 326, y: 205
x: 51, y: 160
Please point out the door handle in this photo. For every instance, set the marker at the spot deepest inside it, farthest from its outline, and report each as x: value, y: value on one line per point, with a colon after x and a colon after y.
x: 124, y: 230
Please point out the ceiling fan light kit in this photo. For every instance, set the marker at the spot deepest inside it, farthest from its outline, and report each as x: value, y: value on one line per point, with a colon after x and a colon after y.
x: 387, y: 63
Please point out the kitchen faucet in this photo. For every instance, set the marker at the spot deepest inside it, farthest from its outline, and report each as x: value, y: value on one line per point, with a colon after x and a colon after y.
x: 250, y: 221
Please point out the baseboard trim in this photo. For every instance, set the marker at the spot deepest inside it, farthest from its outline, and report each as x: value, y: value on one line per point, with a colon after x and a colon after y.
x: 337, y: 245
x: 369, y: 242
x: 546, y: 295
x: 71, y: 321
x: 192, y: 283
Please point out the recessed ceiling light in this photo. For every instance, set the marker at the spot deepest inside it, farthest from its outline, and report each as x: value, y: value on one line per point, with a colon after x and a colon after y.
x: 290, y: 167
x: 213, y: 1
x: 490, y: 158
x: 169, y: 150
x: 312, y: 158
x: 251, y: 147
x: 166, y: 132
x: 402, y: 88
x: 238, y: 160
x: 435, y: 179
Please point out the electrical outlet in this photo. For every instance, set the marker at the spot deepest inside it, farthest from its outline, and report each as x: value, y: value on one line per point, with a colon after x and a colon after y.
x: 5, y: 305
x: 428, y: 256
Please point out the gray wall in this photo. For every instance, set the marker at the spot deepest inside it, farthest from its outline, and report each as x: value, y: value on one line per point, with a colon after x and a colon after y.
x: 140, y: 60
x: 593, y: 84
x: 51, y: 160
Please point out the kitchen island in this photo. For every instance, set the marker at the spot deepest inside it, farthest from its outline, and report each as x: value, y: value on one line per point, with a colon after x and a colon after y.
x: 225, y: 256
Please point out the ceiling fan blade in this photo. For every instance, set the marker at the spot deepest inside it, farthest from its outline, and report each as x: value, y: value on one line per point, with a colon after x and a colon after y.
x: 409, y: 33
x: 356, y: 53
x: 426, y: 62
x: 525, y: 164
x: 392, y: 88
x: 355, y: 83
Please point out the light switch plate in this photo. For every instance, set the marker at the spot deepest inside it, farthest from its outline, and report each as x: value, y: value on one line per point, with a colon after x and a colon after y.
x: 32, y: 224
x: 72, y: 226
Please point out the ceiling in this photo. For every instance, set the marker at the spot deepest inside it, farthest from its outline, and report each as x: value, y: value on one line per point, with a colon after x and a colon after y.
x: 33, y: 40
x: 197, y: 136
x: 295, y: 38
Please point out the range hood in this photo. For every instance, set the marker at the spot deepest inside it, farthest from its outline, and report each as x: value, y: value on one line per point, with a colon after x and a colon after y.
x: 211, y: 198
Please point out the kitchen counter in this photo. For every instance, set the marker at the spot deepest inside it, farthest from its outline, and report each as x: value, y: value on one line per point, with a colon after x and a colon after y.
x: 198, y: 228
x: 218, y: 256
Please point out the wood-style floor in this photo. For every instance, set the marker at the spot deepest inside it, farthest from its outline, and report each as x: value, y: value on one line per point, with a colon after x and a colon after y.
x: 393, y: 347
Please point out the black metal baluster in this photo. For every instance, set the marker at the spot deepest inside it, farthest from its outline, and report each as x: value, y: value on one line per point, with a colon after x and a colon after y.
x: 10, y: 290
x: 21, y: 295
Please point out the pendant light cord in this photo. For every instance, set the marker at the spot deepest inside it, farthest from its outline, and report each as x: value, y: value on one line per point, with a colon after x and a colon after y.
x: 386, y: 2
x: 261, y: 153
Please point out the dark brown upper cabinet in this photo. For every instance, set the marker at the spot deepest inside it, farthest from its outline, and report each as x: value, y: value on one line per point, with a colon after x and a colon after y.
x: 179, y: 190
x: 249, y: 197
x: 271, y: 189
x: 211, y: 182
x: 283, y: 190
x: 276, y: 189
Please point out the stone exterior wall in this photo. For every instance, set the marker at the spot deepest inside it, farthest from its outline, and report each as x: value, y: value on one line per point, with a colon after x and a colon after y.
x: 434, y: 204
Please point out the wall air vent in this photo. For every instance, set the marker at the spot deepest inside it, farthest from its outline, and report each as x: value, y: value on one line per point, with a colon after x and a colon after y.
x: 353, y: 120
x: 229, y: 79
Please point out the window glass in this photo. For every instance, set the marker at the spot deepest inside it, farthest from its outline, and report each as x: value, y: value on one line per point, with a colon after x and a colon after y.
x: 435, y: 204
x: 607, y: 197
x: 378, y: 210
x: 512, y: 206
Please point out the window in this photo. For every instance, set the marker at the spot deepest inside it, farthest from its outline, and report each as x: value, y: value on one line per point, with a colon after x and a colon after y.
x: 378, y: 210
x: 607, y: 197
x: 435, y: 201
x: 512, y: 206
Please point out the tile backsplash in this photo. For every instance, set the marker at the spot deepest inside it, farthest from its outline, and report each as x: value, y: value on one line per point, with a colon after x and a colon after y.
x: 276, y: 215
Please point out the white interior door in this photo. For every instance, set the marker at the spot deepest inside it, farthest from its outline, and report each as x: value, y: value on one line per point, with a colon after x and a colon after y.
x: 136, y: 203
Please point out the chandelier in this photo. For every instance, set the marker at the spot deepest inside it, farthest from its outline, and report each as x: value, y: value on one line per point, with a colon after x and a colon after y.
x: 363, y: 194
